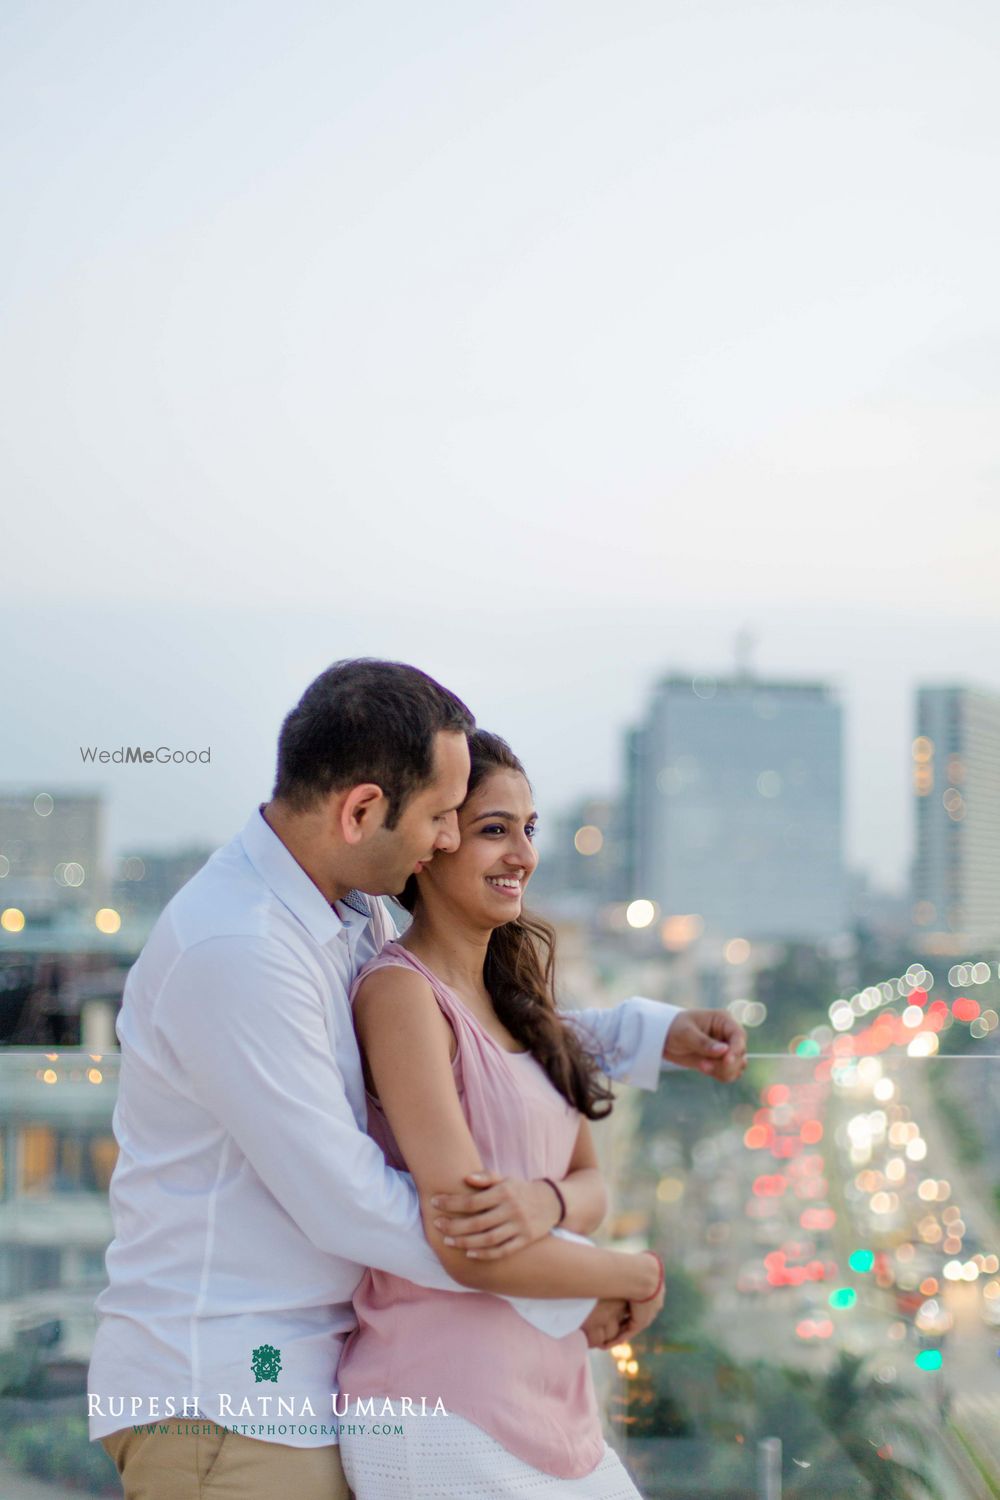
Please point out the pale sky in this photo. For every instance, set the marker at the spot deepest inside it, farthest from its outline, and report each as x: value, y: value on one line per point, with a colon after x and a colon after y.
x: 545, y: 344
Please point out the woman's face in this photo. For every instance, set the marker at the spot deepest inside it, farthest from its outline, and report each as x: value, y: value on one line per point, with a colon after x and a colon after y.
x: 484, y: 878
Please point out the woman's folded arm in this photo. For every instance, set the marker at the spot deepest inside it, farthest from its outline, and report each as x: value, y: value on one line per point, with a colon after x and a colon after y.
x: 408, y: 1045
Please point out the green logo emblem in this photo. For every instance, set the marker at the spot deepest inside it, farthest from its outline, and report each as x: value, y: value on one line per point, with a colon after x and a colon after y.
x: 266, y: 1363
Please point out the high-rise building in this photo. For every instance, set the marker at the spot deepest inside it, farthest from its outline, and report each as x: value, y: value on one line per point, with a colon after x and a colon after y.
x: 581, y: 856
x: 734, y: 807
x: 51, y: 851
x: 956, y: 784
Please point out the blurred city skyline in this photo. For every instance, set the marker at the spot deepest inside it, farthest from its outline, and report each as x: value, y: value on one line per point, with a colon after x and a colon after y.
x: 547, y: 347
x: 562, y: 689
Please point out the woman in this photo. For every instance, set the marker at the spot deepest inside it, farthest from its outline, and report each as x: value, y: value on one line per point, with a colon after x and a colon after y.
x: 470, y: 1067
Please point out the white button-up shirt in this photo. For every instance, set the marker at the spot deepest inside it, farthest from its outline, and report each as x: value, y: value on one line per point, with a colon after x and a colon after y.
x: 247, y: 1198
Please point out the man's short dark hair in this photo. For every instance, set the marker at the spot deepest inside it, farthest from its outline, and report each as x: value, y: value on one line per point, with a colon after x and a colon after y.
x: 365, y: 720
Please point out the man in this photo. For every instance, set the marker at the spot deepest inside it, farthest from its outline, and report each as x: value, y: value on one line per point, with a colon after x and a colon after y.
x: 247, y: 1197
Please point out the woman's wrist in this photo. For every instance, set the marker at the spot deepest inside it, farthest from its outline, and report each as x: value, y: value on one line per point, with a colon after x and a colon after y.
x: 660, y: 1277
x: 638, y: 1276
x: 560, y: 1200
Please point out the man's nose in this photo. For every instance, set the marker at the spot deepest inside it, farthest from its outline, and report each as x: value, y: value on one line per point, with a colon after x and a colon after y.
x: 448, y: 839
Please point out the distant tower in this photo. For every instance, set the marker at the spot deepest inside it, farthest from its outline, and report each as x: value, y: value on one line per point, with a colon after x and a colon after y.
x: 745, y: 642
x: 51, y: 851
x: 956, y: 786
x: 734, y: 806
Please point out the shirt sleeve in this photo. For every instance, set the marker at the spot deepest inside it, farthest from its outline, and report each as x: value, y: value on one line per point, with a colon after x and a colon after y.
x: 628, y: 1039
x: 556, y: 1317
x: 245, y: 1027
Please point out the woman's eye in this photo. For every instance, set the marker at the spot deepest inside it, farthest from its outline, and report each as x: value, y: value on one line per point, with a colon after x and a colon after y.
x: 530, y: 830
x: 495, y: 828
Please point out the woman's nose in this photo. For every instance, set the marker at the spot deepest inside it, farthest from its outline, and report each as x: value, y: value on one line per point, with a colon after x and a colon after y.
x: 522, y: 855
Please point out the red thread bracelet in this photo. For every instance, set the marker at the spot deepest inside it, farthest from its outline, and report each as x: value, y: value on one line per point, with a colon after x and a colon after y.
x: 562, y: 1200
x: 659, y: 1284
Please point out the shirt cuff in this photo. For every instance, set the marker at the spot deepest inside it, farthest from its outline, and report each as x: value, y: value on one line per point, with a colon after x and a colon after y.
x: 655, y: 1020
x: 556, y: 1316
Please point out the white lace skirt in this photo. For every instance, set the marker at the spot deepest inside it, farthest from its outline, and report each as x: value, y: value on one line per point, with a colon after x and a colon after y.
x: 448, y: 1458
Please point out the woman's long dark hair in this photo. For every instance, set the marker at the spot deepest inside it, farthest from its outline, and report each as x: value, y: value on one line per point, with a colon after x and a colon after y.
x: 518, y: 972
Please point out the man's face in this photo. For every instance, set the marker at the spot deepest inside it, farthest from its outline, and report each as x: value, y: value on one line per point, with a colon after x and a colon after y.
x: 429, y: 821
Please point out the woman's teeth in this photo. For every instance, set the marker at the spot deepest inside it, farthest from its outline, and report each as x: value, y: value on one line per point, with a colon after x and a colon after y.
x: 502, y: 883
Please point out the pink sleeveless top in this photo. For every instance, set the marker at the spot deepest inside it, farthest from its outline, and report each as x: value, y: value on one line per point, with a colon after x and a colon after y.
x: 532, y: 1393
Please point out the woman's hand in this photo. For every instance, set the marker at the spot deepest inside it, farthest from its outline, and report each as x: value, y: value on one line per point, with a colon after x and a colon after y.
x: 642, y: 1313
x: 604, y: 1325
x: 499, y: 1216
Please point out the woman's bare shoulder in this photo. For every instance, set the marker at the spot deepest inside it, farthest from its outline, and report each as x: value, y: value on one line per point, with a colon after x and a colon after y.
x: 398, y: 996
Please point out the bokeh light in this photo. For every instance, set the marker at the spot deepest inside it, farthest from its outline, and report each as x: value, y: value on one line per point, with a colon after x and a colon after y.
x: 843, y: 1297
x: 679, y: 931
x: 670, y: 1190
x: 588, y: 840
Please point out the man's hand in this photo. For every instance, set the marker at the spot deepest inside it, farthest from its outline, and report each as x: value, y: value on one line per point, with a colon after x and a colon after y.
x: 498, y: 1216
x: 604, y: 1326
x: 709, y: 1041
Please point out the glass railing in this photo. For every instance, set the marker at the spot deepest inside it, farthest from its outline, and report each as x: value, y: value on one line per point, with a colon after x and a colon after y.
x: 831, y: 1229
x: 57, y: 1153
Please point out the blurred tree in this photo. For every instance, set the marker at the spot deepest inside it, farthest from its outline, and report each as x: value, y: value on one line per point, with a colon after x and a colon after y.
x: 876, y: 1424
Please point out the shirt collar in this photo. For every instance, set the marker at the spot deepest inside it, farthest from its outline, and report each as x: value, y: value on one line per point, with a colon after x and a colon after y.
x: 278, y: 868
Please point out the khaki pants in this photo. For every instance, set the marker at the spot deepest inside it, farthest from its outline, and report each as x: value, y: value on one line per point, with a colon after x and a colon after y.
x: 210, y: 1461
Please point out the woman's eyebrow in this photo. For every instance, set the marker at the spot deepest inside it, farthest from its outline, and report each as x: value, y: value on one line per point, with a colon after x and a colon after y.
x: 511, y: 817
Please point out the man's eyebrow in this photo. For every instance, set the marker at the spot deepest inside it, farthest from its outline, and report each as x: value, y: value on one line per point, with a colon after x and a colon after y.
x: 511, y: 817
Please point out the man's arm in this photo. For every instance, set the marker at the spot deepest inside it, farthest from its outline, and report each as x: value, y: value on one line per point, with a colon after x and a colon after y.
x: 244, y: 1029
x: 637, y: 1039
x: 628, y: 1039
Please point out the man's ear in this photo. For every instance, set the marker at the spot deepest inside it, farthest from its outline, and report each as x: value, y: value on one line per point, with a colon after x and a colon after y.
x: 362, y: 812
